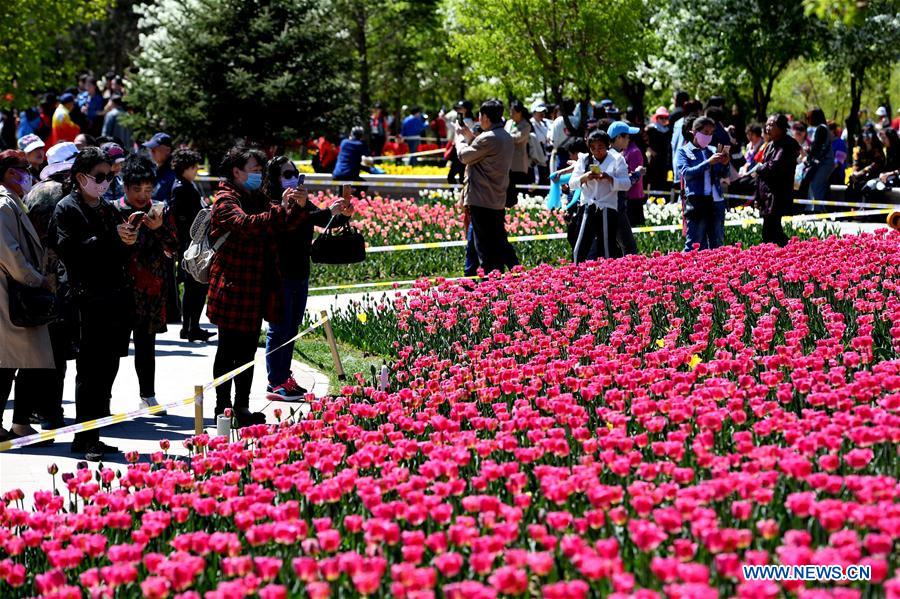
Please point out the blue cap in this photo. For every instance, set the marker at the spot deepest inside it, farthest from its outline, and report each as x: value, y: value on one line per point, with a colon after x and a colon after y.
x: 159, y: 139
x: 619, y: 127
x: 66, y: 98
x: 606, y: 103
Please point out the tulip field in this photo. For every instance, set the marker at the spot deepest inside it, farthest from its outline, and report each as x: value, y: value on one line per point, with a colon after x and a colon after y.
x: 437, y: 216
x: 637, y: 428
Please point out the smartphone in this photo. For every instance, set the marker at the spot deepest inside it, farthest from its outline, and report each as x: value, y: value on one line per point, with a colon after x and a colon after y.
x: 460, y: 119
x: 136, y: 218
x: 155, y: 210
x: 300, y: 179
x: 595, y: 168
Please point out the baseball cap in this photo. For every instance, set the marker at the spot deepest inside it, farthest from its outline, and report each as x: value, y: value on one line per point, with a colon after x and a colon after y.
x: 538, y: 106
x: 66, y: 98
x: 59, y: 158
x: 606, y: 103
x: 882, y: 111
x: 159, y: 139
x: 662, y: 111
x: 30, y: 142
x: 619, y: 127
x: 114, y: 151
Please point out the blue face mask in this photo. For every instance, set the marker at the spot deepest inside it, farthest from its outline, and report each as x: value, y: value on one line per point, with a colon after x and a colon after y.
x: 254, y: 181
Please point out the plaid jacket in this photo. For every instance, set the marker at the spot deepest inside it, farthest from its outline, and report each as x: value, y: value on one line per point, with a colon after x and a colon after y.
x: 244, y: 277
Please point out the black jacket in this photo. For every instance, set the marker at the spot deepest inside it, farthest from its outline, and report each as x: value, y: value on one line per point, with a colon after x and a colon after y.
x: 775, y: 177
x: 92, y: 255
x: 184, y: 206
x: 294, y: 245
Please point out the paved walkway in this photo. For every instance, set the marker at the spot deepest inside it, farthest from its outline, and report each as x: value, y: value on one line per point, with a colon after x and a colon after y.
x: 179, y: 366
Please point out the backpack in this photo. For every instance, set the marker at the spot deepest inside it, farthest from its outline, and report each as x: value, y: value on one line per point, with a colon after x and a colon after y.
x: 536, y: 150
x: 199, y: 254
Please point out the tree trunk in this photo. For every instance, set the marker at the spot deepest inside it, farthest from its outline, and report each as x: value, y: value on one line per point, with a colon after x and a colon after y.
x: 362, y: 47
x: 852, y: 123
x: 635, y: 91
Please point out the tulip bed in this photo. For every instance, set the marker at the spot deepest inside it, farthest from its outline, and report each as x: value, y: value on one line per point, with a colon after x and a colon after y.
x: 634, y: 429
x: 437, y: 216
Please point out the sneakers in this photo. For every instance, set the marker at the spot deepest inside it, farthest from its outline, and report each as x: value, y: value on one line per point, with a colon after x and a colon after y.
x: 197, y: 334
x: 93, y: 451
x: 288, y: 391
x: 149, y: 402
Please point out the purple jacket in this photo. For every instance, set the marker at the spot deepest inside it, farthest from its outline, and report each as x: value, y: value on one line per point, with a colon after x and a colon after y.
x: 634, y: 158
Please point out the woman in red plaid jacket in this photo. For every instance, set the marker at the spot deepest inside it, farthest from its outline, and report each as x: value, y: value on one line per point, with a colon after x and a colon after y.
x: 244, y: 278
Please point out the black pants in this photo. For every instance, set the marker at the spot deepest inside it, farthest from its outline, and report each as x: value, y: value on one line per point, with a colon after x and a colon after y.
x: 598, y: 232
x: 624, y: 236
x: 192, y: 303
x: 235, y: 348
x: 491, y: 244
x: 103, y: 340
x: 457, y: 172
x: 173, y: 302
x: 376, y: 145
x: 145, y: 362
x: 543, y: 174
x: 773, y: 231
x: 636, y: 212
x: 516, y: 179
x: 24, y: 393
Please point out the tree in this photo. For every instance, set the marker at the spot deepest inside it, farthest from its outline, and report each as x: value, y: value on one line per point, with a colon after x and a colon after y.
x: 565, y: 46
x: 859, y: 46
x: 216, y: 71
x: 727, y: 43
x: 30, y: 59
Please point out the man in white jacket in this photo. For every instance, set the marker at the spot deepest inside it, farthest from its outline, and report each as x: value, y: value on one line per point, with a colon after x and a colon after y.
x: 600, y: 175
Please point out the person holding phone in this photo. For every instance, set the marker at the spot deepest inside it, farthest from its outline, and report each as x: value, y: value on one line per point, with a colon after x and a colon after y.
x: 148, y: 261
x: 245, y: 277
x: 600, y: 175
x: 283, y: 180
x: 93, y: 246
x: 700, y: 171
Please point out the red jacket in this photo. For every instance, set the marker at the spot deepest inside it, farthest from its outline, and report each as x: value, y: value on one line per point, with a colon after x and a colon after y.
x: 244, y: 277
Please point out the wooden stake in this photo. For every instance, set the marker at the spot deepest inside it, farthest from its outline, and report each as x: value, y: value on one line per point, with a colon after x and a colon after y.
x: 198, y: 410
x: 329, y: 335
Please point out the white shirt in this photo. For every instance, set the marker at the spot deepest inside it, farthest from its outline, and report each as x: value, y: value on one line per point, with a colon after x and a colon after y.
x: 603, y: 194
x: 558, y: 131
x: 540, y: 128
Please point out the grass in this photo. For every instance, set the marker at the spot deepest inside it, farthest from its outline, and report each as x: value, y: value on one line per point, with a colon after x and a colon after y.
x: 313, y: 350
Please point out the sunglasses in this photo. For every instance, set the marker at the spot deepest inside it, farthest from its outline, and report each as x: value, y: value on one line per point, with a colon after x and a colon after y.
x: 290, y: 174
x: 102, y: 177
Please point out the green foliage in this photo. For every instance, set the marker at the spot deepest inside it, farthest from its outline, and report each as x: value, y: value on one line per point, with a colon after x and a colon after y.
x: 31, y: 58
x: 579, y: 47
x: 216, y: 71
x: 735, y: 46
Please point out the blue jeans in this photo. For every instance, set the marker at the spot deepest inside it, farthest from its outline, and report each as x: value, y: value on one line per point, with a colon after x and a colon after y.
x: 413, y: 148
x: 471, y: 267
x: 698, y: 222
x: 716, y: 230
x: 278, y: 364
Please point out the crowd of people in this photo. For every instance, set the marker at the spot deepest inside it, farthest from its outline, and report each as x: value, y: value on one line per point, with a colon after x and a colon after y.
x: 101, y: 226
x: 101, y: 223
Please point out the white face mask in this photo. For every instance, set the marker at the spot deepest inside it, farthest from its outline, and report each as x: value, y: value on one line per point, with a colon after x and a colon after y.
x: 94, y: 189
x: 26, y: 184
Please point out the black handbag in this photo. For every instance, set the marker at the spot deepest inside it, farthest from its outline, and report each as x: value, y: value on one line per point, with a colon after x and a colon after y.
x: 339, y: 245
x: 30, y: 306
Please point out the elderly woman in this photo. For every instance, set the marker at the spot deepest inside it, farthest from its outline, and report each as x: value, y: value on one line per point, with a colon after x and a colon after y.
x: 244, y: 278
x: 775, y: 179
x: 25, y: 352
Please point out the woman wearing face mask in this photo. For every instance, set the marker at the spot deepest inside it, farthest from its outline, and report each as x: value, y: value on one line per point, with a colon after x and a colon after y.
x: 147, y: 267
x: 94, y: 249
x: 282, y: 181
x: 244, y: 277
x: 26, y: 354
x: 700, y: 171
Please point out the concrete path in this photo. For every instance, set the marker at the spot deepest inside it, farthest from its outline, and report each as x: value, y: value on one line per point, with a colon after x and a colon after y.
x: 179, y: 366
